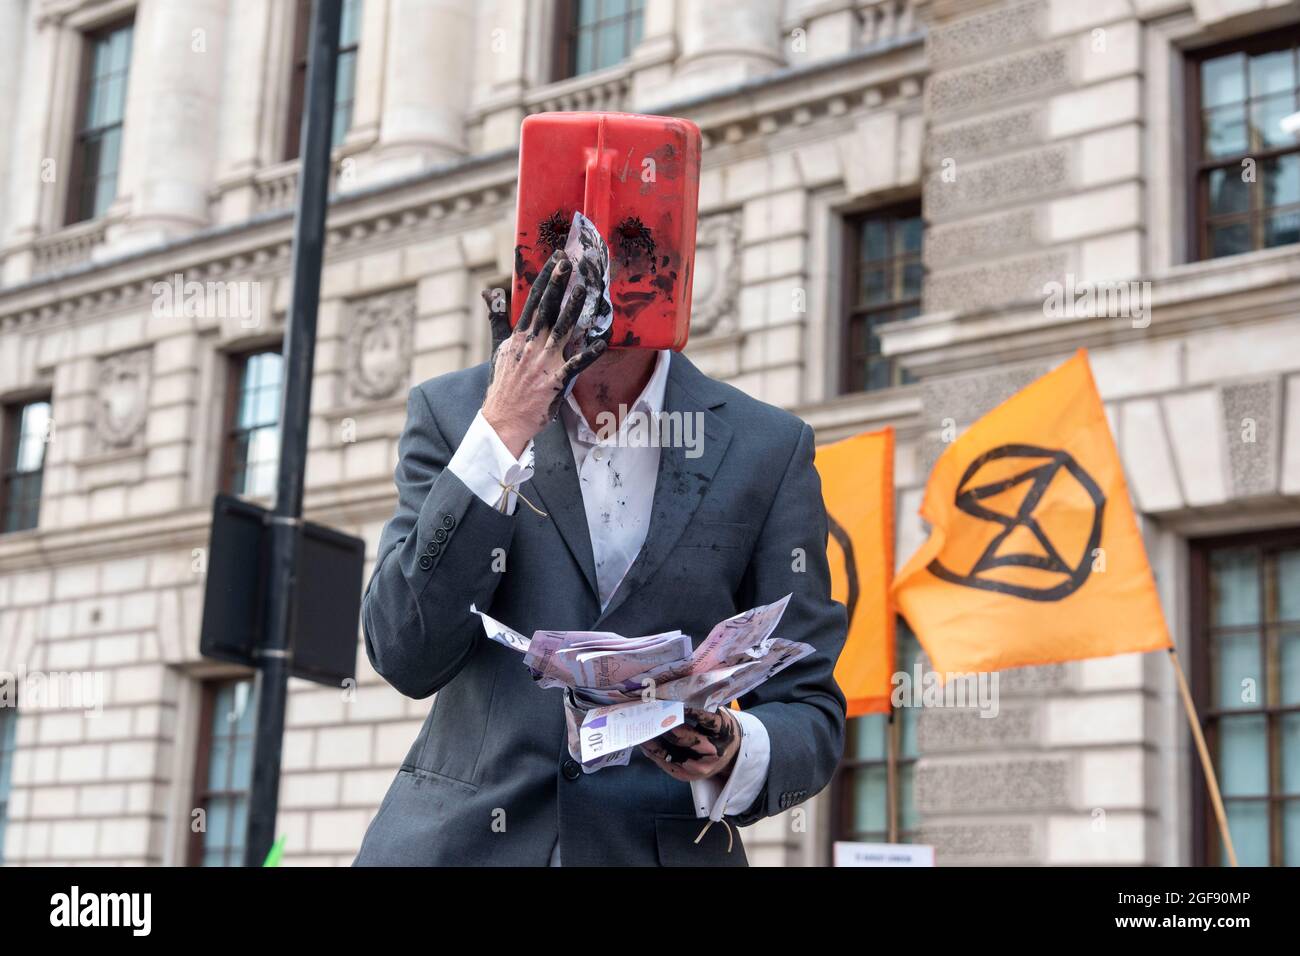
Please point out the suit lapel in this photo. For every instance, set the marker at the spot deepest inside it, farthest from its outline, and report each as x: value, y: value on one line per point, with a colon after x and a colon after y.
x: 555, y: 479
x: 682, y: 482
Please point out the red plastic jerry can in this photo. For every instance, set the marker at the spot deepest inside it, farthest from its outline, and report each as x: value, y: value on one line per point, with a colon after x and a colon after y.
x: 637, y: 178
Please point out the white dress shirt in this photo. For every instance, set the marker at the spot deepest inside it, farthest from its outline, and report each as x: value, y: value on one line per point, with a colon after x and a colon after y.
x: 618, y: 485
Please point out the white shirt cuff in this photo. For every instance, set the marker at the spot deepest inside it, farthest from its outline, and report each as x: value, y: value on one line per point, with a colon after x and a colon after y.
x: 485, y: 466
x: 714, y: 799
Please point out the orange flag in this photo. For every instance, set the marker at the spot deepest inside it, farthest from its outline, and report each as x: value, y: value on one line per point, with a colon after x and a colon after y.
x: 858, y: 488
x: 1034, y: 555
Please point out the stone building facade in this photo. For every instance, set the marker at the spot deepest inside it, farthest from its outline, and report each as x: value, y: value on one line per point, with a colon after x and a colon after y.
x: 1038, y: 141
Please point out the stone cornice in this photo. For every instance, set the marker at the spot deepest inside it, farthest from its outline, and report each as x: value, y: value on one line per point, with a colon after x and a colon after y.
x: 183, y: 529
x: 452, y: 193
x: 1238, y: 290
x: 787, y: 100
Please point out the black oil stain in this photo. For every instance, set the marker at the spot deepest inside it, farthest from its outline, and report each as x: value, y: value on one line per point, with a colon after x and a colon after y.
x: 635, y: 240
x: 633, y: 302
x: 554, y: 231
x: 665, y: 283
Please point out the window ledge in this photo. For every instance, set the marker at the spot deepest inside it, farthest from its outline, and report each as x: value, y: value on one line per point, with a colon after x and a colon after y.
x: 607, y: 89
x: 1211, y: 293
x: 69, y: 246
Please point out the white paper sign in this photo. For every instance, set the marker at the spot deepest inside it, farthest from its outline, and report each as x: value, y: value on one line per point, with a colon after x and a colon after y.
x: 883, y: 854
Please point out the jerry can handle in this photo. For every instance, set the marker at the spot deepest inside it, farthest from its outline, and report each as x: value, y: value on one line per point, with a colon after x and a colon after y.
x: 598, y: 187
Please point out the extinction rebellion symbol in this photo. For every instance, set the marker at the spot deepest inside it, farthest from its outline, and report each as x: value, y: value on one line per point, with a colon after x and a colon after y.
x: 1037, y: 496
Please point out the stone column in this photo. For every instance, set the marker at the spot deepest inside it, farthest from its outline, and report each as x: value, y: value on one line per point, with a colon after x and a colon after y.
x: 38, y: 158
x: 724, y: 42
x: 1033, y: 175
x: 13, y: 27
x: 653, y: 59
x: 427, y: 85
x: 246, y: 115
x: 502, y: 41
x: 171, y: 131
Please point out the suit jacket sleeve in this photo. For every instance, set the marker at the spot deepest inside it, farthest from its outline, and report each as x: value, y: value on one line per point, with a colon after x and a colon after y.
x: 802, y: 707
x: 436, y: 558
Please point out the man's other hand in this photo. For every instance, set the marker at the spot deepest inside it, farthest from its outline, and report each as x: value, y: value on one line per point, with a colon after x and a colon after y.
x: 705, y: 746
x: 530, y: 371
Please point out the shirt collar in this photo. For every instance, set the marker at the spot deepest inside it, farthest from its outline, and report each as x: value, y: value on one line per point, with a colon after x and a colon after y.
x: 650, y: 401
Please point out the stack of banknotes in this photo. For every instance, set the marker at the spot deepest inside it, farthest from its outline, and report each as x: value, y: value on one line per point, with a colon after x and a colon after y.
x: 622, y: 691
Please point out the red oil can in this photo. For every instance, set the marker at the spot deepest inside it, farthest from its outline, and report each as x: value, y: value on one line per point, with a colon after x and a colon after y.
x: 637, y: 178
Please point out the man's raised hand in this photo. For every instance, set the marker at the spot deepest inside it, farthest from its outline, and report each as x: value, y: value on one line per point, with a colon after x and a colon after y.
x: 530, y: 370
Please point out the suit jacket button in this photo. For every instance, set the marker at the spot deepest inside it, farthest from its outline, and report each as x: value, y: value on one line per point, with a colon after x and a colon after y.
x: 439, y: 535
x: 426, y: 562
x: 431, y: 548
x: 571, y: 770
x: 448, y: 522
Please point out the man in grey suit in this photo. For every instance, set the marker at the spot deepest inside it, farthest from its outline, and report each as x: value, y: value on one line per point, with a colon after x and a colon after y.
x: 509, y: 500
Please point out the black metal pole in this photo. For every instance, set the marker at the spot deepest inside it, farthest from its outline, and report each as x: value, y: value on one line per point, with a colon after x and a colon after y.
x: 295, y: 409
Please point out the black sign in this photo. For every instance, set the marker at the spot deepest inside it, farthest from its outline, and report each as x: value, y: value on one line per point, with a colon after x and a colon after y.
x: 327, y: 596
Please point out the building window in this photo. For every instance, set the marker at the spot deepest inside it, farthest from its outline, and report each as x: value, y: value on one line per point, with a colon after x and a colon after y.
x: 102, y: 107
x: 252, y: 451
x: 1247, y: 166
x: 26, y: 434
x: 595, y: 34
x: 8, y: 745
x: 223, y: 772
x: 345, y: 80
x: 883, y: 284
x: 1247, y: 679
x: 872, y: 798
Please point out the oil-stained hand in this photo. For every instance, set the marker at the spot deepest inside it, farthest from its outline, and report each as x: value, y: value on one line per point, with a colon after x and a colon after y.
x: 705, y: 746
x: 530, y: 370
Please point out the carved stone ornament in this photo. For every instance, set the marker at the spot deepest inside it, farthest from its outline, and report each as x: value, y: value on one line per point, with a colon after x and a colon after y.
x: 122, y: 403
x: 717, y: 274
x: 379, y: 344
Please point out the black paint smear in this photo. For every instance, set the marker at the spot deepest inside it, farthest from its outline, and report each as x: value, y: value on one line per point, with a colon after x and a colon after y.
x: 634, y: 239
x: 554, y: 232
x: 630, y: 341
x: 664, y: 283
x: 633, y: 302
x: 520, y: 266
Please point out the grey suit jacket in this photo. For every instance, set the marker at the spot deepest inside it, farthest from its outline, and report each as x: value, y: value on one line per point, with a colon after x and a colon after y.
x: 489, y: 780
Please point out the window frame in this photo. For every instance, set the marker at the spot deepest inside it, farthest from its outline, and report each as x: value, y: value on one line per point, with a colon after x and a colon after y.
x: 236, y: 363
x: 1197, y: 166
x: 200, y: 791
x: 565, y: 33
x: 74, y: 210
x: 1205, y: 831
x: 842, y: 803
x: 850, y: 252
x: 298, y: 78
x: 11, y: 420
x: 8, y: 726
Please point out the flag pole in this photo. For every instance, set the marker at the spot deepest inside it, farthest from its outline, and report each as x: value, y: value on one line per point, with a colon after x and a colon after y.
x: 1211, y: 781
x: 891, y: 775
